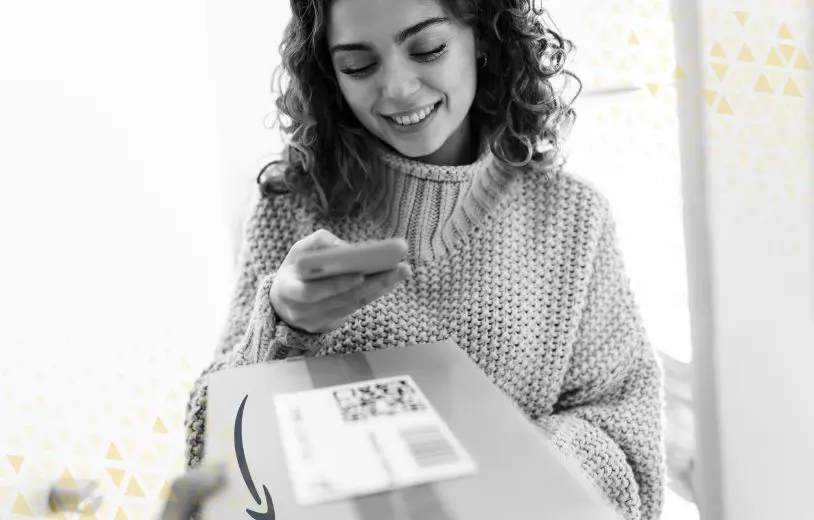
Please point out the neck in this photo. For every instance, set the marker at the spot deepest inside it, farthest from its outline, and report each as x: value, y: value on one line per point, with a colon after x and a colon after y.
x: 456, y: 151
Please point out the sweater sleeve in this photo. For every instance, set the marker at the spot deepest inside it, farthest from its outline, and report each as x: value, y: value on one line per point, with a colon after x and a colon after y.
x: 608, y: 418
x: 248, y: 339
x: 253, y: 332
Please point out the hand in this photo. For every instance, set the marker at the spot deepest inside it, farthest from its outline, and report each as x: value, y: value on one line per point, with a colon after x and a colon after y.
x: 323, y: 305
x: 191, y: 490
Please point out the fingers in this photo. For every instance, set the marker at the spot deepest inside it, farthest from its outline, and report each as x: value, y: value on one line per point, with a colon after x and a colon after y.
x: 318, y: 290
x: 374, y: 287
x: 333, y: 311
x: 192, y: 489
x: 324, y: 304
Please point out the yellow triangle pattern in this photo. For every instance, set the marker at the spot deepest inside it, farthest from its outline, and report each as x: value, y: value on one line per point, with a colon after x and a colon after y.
x: 791, y: 89
x: 167, y: 494
x: 718, y: 51
x: 742, y: 17
x: 13, y: 439
x: 802, y: 62
x: 774, y: 59
x: 21, y: 507
x: 653, y: 88
x: 784, y: 32
x: 16, y: 462
x: 96, y: 441
x: 159, y: 427
x: 678, y: 73
x: 763, y: 85
x: 131, y: 447
x: 724, y: 108
x: 120, y: 515
x: 720, y: 69
x: 116, y: 475
x: 133, y: 489
x: 787, y: 51
x: 48, y: 468
x: 113, y: 453
x: 141, y: 412
x: 709, y: 95
x: 146, y: 457
x: 79, y: 449
x: 745, y: 54
x: 67, y: 480
x: 633, y: 39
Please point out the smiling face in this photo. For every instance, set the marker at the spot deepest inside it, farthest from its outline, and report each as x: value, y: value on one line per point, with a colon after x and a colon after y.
x: 408, y: 72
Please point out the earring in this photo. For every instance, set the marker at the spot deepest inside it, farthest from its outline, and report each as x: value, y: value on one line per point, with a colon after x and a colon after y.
x: 482, y: 63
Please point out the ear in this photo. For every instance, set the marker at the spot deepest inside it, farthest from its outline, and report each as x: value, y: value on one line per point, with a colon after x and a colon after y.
x: 480, y: 47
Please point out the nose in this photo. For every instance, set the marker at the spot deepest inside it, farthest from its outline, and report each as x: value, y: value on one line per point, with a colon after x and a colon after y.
x: 399, y: 81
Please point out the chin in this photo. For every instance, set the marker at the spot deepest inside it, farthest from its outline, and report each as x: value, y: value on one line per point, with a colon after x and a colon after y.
x: 415, y: 150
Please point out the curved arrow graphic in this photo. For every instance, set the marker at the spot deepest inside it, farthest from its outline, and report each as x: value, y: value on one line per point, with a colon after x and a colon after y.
x: 244, y: 470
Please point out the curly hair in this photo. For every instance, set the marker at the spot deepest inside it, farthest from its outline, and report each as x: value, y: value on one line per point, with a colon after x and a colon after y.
x: 524, y: 118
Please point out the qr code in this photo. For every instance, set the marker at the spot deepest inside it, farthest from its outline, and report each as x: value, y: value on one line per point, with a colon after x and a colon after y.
x: 371, y: 400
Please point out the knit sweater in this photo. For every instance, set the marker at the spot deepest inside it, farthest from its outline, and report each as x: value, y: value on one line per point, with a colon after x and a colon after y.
x: 524, y: 274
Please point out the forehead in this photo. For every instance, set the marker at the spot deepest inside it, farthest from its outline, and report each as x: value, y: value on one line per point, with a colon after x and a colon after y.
x: 369, y: 20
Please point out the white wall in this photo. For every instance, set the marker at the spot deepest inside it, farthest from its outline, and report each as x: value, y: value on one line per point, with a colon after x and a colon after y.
x: 748, y: 155
x: 246, y: 38
x: 115, y: 264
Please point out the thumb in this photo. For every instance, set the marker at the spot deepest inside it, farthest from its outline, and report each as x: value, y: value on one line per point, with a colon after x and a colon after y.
x: 320, y: 239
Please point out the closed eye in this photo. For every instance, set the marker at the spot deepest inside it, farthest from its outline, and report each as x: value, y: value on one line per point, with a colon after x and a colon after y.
x: 357, y: 72
x: 423, y: 57
x: 431, y: 55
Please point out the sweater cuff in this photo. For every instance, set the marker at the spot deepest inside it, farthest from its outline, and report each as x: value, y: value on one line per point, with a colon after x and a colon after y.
x: 601, y: 462
x: 268, y: 337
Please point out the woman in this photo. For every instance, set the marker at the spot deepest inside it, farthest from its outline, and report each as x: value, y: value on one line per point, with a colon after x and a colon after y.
x: 437, y: 121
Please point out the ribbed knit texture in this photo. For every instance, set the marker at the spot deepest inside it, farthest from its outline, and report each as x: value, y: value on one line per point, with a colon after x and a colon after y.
x: 524, y: 275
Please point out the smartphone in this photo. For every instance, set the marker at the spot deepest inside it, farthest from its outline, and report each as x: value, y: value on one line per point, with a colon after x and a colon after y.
x: 363, y: 258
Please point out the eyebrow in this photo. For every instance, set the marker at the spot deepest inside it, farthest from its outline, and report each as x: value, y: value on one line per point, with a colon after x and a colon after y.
x: 399, y: 38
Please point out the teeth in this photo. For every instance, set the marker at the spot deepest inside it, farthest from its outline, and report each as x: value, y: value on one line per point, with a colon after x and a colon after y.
x: 413, y: 118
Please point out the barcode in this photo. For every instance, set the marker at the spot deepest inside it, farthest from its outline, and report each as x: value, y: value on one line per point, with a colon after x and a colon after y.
x: 429, y: 446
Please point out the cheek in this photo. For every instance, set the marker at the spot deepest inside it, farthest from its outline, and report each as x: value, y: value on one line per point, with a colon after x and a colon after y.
x: 357, y: 97
x: 460, y: 83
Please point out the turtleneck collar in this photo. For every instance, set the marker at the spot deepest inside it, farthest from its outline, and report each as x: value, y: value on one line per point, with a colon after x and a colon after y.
x: 435, y: 207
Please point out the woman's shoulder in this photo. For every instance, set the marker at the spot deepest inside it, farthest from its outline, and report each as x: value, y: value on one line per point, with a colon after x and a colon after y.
x: 575, y: 211
x: 274, y: 221
x: 269, y: 209
x: 586, y: 191
x: 570, y: 195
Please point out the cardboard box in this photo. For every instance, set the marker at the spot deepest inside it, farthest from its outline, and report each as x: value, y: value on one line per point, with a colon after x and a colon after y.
x: 519, y: 474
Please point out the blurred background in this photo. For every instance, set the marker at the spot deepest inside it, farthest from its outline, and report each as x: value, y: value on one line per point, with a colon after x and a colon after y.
x: 130, y: 137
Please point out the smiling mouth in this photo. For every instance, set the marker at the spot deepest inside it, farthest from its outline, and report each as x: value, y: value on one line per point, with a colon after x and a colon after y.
x: 416, y: 117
